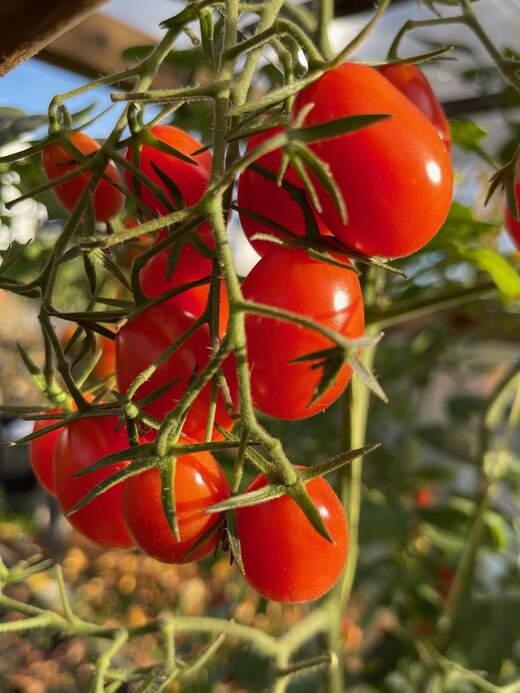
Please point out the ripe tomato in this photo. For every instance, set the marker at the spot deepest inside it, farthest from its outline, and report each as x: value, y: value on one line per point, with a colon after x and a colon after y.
x: 143, y: 339
x: 395, y: 175
x: 331, y: 295
x: 108, y: 200
x: 284, y: 557
x: 199, y: 483
x: 511, y: 224
x: 414, y: 85
x: 80, y: 444
x: 264, y: 197
x: 41, y: 451
x: 190, y: 266
x: 191, y: 179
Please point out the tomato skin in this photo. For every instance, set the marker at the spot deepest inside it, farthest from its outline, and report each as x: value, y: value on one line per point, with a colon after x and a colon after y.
x: 143, y: 339
x: 191, y: 266
x: 191, y: 179
x: 511, y: 224
x: 108, y: 200
x: 262, y: 196
x: 289, y: 279
x: 81, y: 443
x: 199, y: 483
x: 415, y: 86
x: 41, y: 451
x: 284, y: 557
x: 395, y: 175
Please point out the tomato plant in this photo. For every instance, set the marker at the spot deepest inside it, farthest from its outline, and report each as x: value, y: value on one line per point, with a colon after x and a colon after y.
x: 143, y: 339
x: 415, y: 86
x: 57, y: 160
x: 41, y: 451
x: 395, y: 175
x: 331, y: 295
x: 81, y: 443
x: 190, y: 177
x: 199, y: 483
x: 280, y: 547
x: 260, y: 195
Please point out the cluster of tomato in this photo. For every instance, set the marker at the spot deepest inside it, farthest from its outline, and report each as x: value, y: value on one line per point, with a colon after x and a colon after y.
x: 395, y: 177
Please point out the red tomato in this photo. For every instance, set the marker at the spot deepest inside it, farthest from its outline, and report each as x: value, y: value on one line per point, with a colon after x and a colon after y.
x: 414, y: 85
x: 41, y: 451
x: 199, y: 483
x: 191, y: 266
x: 191, y: 179
x: 330, y: 295
x: 108, y: 200
x: 80, y: 444
x: 511, y: 224
x: 262, y: 196
x: 284, y: 557
x: 395, y: 175
x: 142, y: 340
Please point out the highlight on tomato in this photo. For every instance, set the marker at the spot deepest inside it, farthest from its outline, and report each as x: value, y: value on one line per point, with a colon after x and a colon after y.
x: 260, y: 195
x: 81, y: 443
x: 395, y: 175
x: 57, y: 160
x: 288, y: 278
x: 199, y: 483
x: 284, y: 556
x: 190, y: 177
x: 413, y: 83
x: 144, y: 338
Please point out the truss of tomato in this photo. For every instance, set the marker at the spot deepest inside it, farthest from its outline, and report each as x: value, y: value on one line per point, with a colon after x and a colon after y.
x: 144, y: 338
x: 511, y: 224
x: 155, y: 280
x: 41, y: 451
x: 260, y: 195
x: 81, y: 443
x: 415, y: 86
x: 284, y: 557
x: 289, y: 279
x: 57, y: 160
x: 395, y: 175
x: 191, y: 179
x: 199, y: 483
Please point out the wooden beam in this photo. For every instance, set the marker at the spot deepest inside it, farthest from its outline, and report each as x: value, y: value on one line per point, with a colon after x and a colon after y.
x: 94, y: 48
x: 26, y: 26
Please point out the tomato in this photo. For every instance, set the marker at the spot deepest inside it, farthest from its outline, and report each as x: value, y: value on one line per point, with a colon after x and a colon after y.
x: 191, y: 266
x: 108, y: 200
x: 81, y: 443
x: 264, y: 197
x: 511, y: 224
x: 41, y: 450
x: 199, y: 483
x: 395, y: 175
x: 331, y: 295
x: 284, y: 557
x: 144, y: 338
x: 190, y: 178
x: 414, y: 85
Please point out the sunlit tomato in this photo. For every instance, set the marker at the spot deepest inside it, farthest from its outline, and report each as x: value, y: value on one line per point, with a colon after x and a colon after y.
x: 142, y: 340
x: 190, y: 178
x: 284, y: 557
x: 41, y: 451
x: 57, y: 160
x: 414, y: 85
x: 199, y: 483
x: 511, y: 224
x: 262, y: 196
x: 330, y: 295
x: 81, y: 443
x: 191, y: 266
x: 395, y: 175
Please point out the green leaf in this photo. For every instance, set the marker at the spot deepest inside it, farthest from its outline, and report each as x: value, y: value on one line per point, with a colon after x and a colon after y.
x: 167, y: 473
x: 333, y: 128
x: 468, y: 135
x: 498, y: 529
x: 503, y: 274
